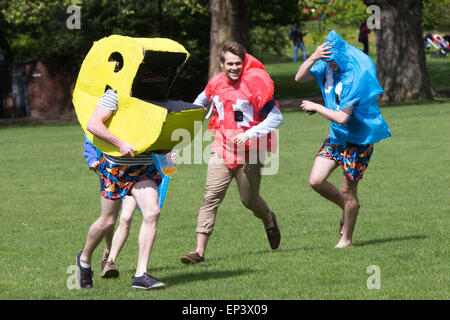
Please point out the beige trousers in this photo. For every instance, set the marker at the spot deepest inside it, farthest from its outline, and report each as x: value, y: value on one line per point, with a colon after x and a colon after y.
x: 218, y: 178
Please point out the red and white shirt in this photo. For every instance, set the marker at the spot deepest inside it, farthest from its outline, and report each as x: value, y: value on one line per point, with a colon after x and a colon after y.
x: 245, y: 105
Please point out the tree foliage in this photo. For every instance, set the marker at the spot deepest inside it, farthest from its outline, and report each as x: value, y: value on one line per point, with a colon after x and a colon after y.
x: 38, y: 30
x: 436, y: 15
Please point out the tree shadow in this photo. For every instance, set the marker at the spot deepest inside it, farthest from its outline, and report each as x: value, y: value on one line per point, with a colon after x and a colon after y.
x: 380, y: 241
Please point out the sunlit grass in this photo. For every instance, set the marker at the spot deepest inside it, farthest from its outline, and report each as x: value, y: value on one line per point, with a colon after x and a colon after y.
x: 50, y: 199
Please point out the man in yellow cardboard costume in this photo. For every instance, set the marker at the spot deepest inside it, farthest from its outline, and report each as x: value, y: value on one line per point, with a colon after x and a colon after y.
x: 120, y: 100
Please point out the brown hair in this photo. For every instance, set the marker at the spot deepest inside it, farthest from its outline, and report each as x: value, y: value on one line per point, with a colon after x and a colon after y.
x: 235, y: 48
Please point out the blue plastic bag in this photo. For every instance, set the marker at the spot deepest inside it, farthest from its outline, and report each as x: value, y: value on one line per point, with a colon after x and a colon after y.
x: 355, y: 84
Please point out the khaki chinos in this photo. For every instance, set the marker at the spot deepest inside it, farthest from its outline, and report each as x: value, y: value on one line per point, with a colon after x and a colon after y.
x: 218, y: 178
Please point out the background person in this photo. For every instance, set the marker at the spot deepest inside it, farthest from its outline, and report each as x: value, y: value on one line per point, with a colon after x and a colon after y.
x: 364, y: 36
x: 296, y: 35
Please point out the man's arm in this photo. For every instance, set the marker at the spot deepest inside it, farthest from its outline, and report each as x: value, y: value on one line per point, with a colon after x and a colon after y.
x: 270, y: 123
x: 202, y: 99
x: 96, y: 126
x: 90, y: 155
x: 340, y: 117
x: 303, y: 73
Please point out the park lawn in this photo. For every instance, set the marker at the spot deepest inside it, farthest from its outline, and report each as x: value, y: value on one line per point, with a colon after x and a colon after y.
x: 50, y: 199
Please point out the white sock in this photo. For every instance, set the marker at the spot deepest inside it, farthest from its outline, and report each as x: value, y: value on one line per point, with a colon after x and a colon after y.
x: 83, y: 265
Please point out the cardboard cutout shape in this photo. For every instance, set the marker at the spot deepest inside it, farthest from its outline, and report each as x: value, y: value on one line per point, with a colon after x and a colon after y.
x: 145, y: 117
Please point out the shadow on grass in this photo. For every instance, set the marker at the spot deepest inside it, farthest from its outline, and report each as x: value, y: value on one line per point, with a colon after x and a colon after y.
x: 393, y: 239
x: 192, y: 276
x: 265, y: 252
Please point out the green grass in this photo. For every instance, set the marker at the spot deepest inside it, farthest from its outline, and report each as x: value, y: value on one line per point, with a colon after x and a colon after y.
x: 50, y: 199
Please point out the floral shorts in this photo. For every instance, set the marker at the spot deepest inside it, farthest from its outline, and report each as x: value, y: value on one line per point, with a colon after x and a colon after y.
x: 353, y: 160
x: 116, y: 180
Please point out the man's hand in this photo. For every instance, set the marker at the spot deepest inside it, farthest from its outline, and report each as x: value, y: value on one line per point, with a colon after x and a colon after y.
x: 309, y: 106
x: 322, y: 51
x: 127, y: 149
x: 241, y: 138
x: 94, y: 166
x: 303, y: 73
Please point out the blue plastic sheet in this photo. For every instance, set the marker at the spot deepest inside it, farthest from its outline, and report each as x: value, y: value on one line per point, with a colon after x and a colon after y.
x: 355, y: 84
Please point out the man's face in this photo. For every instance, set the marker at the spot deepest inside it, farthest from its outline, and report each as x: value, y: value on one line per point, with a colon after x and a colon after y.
x: 232, y: 65
x: 333, y: 65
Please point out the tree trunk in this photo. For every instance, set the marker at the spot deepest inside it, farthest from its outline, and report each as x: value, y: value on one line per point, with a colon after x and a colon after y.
x: 229, y: 22
x: 401, y: 64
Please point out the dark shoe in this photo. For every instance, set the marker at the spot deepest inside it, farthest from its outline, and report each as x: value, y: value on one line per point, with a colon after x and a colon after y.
x: 192, y: 257
x: 341, y: 224
x: 146, y: 282
x: 273, y: 234
x: 84, y: 274
x: 109, y: 270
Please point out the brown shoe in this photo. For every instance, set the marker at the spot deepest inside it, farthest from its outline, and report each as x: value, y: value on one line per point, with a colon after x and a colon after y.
x: 192, y: 257
x: 273, y: 234
x: 110, y: 270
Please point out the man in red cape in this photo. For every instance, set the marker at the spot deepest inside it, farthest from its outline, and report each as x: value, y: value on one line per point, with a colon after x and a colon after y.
x: 245, y: 116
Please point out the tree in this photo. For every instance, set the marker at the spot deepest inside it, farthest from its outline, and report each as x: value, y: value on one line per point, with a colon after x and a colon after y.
x: 229, y: 22
x: 38, y: 30
x: 401, y: 67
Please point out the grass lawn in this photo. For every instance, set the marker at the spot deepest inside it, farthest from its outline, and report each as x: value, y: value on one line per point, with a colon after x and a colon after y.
x: 50, y: 199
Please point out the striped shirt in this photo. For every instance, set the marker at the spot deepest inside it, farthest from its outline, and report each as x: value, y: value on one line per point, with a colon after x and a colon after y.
x: 109, y: 101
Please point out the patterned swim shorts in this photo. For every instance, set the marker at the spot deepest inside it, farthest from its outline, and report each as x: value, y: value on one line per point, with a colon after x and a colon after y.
x: 116, y: 180
x: 353, y: 160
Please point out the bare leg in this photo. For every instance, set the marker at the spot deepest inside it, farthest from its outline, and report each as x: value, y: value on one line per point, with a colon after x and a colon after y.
x: 320, y: 172
x: 108, y: 239
x: 146, y: 195
x: 122, y: 231
x: 350, y: 196
x: 202, y: 241
x: 104, y: 224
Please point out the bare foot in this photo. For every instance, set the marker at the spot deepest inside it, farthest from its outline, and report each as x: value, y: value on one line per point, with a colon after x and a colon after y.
x: 344, y: 244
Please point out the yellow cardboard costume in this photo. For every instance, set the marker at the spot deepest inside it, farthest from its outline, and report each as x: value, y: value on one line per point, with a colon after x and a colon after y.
x: 145, y: 117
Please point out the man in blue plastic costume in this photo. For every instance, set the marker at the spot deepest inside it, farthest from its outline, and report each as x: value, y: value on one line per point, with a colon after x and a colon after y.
x: 347, y: 78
